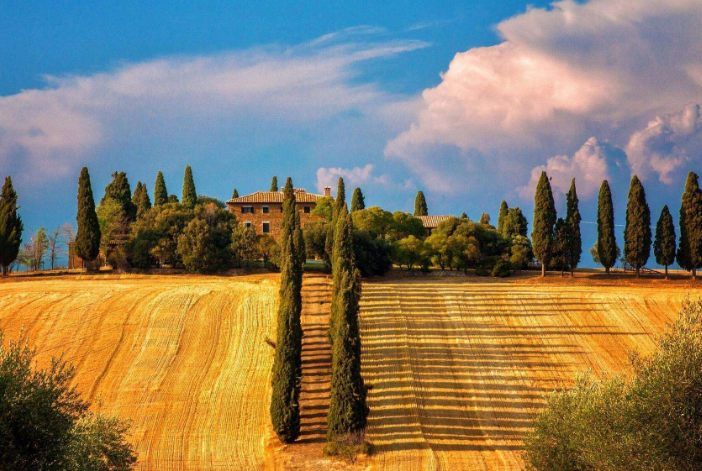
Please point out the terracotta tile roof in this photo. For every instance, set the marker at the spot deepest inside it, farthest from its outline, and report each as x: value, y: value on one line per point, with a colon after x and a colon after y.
x: 301, y: 196
x: 431, y: 222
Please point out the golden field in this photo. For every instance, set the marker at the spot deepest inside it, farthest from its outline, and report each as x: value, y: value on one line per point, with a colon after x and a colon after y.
x: 458, y: 367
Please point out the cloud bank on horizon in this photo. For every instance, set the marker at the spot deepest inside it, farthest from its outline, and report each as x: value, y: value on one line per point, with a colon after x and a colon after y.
x: 570, y: 90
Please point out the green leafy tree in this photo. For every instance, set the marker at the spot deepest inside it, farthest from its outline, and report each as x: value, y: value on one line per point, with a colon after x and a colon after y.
x: 501, y: 217
x: 573, y: 219
x: 87, y: 244
x: 11, y: 226
x: 514, y: 223
x: 119, y: 191
x: 160, y: 191
x: 637, y: 232
x: 607, y: 250
x: 689, y: 253
x: 324, y: 208
x: 358, y: 201
x: 287, y: 363
x: 244, y: 249
x: 274, y: 184
x: 154, y: 240
x: 205, y: 244
x: 544, y: 219
x: 664, y: 245
x: 420, y: 205
x: 189, y: 199
x: 46, y: 426
x: 348, y: 411
x: 410, y: 251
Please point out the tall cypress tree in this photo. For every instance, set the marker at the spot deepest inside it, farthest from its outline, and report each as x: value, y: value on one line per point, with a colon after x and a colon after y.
x: 235, y: 194
x: 690, y: 246
x: 606, y: 241
x: 189, y: 199
x: 141, y: 200
x: 504, y: 209
x: 274, y: 184
x: 119, y: 191
x: 544, y: 219
x: 358, y: 201
x: 160, y: 191
x: 11, y: 226
x: 562, y: 246
x: 87, y: 244
x: 348, y: 411
x: 420, y: 205
x: 637, y: 232
x: 287, y: 363
x: 664, y: 245
x: 573, y: 219
x: 338, y: 203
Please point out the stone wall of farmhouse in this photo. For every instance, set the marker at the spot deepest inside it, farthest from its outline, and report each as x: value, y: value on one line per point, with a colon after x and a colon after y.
x: 274, y: 216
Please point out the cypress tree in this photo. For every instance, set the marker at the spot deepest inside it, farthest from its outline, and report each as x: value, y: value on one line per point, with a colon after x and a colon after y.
x: 562, y: 245
x: 637, y: 232
x: 287, y: 363
x: 274, y: 184
x: 690, y: 245
x: 119, y: 191
x: 189, y: 199
x: 501, y: 217
x: 573, y: 219
x: 338, y: 203
x: 420, y: 205
x: 141, y: 200
x: 160, y: 191
x: 544, y: 219
x: 235, y: 194
x: 606, y: 241
x: 87, y: 244
x: 348, y: 411
x: 11, y: 226
x: 358, y: 201
x: 664, y: 245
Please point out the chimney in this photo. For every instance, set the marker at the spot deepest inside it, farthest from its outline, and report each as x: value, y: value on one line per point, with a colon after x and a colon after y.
x: 327, y: 191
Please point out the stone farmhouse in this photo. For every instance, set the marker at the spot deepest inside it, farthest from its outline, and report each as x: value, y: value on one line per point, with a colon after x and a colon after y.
x: 263, y: 210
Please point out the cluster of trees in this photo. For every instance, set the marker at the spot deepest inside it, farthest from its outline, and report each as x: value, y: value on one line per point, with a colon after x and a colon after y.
x: 195, y: 232
x: 45, y: 425
x: 651, y: 420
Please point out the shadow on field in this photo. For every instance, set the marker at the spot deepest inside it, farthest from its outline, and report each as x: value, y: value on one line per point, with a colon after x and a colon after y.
x: 449, y: 371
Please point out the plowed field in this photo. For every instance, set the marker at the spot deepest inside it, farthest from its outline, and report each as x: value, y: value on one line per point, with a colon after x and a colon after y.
x: 183, y: 357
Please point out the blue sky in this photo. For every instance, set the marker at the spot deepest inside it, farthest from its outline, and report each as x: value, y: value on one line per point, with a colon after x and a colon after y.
x: 467, y: 101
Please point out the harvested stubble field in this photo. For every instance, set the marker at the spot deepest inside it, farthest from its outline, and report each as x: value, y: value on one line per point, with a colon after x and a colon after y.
x: 183, y: 357
x: 458, y: 367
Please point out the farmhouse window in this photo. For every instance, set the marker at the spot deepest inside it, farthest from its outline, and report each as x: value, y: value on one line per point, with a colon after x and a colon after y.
x: 307, y: 209
x: 266, y: 227
x: 247, y: 209
x: 266, y: 210
x: 281, y: 209
x: 247, y: 224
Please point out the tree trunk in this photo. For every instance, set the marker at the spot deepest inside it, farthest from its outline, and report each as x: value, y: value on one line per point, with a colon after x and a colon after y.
x: 637, y: 272
x: 572, y: 273
x: 4, y: 270
x: 607, y: 270
x: 543, y: 269
x: 666, y: 272
x: 694, y: 273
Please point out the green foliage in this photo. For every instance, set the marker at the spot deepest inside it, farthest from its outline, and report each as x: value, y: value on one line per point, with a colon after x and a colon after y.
x: 274, y: 184
x: 87, y: 244
x: 502, y: 269
x: 437, y: 248
x: 324, y: 208
x: 154, y: 240
x: 573, y: 219
x: 11, y: 226
x: 118, y: 190
x: 338, y: 204
x: 141, y: 200
x: 420, y: 205
x: 205, y: 244
x: 637, y: 232
x: 46, y: 426
x: 607, y: 249
x: 501, y: 217
x: 664, y: 245
x: 114, y: 226
x: 544, y: 219
x: 514, y: 223
x: 203, y: 200
x: 235, y: 194
x: 410, y: 251
x: 315, y: 234
x: 189, y: 199
x: 520, y: 252
x: 562, y: 246
x: 358, y: 201
x: 160, y: 191
x: 390, y: 226
x: 689, y: 253
x: 651, y: 420
x: 348, y: 411
x: 485, y: 218
x: 373, y: 256
x: 173, y: 199
x: 287, y: 363
x: 269, y: 250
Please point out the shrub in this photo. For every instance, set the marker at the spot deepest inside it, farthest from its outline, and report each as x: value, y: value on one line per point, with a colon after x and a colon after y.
x: 372, y: 255
x: 481, y: 271
x: 502, y: 269
x: 651, y: 420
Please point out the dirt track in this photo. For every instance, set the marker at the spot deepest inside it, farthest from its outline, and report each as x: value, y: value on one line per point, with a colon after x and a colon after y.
x: 183, y: 357
x: 459, y: 369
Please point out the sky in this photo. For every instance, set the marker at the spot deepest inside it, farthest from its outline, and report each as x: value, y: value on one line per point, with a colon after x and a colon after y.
x: 466, y: 101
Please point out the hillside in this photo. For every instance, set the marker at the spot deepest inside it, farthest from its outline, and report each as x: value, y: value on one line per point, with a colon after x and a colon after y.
x: 183, y: 357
